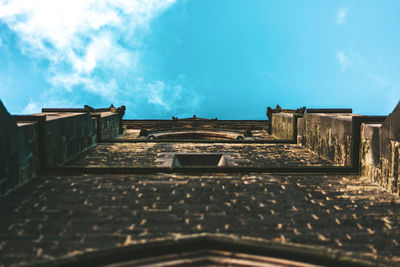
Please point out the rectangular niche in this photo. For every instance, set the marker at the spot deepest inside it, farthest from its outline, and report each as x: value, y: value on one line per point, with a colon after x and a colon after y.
x: 194, y: 160
x: 176, y: 160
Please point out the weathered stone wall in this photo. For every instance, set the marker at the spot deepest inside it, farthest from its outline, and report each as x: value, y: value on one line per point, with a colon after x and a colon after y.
x: 282, y: 125
x: 8, y: 151
x: 67, y: 136
x: 380, y: 150
x: 301, y: 131
x: 390, y: 149
x: 110, y: 123
x: 19, y: 158
x: 370, y: 152
x: 328, y: 135
x: 390, y: 168
x: 382, y: 171
x: 28, y: 152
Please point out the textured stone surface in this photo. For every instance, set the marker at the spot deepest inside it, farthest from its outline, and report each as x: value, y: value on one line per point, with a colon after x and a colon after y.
x: 390, y: 130
x: 389, y: 135
x: 145, y: 154
x: 328, y: 135
x: 53, y: 217
x: 8, y: 151
x: 130, y: 134
x: 380, y: 152
x: 18, y: 152
x: 28, y: 151
x: 109, y: 122
x: 282, y: 125
x: 67, y: 135
x: 370, y: 153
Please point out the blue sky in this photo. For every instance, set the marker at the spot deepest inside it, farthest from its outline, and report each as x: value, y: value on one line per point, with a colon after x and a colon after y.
x: 214, y: 58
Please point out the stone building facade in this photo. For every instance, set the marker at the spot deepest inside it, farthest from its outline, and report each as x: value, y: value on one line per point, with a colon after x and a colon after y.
x: 307, y: 186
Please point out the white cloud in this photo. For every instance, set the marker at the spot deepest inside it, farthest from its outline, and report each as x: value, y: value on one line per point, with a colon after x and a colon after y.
x: 171, y: 97
x: 1, y: 42
x: 379, y: 80
x: 36, y: 106
x: 92, y: 46
x: 344, y: 61
x: 341, y: 15
x: 31, y: 108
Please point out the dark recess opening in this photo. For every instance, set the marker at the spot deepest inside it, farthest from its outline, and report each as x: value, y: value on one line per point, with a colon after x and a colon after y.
x: 193, y: 160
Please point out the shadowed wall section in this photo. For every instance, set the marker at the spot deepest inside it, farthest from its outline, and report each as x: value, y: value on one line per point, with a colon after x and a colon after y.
x: 8, y: 151
x: 67, y: 135
x: 30, y: 144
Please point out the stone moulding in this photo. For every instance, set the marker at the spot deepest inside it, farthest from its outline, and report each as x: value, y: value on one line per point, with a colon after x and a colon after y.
x: 193, y: 132
x: 211, y: 247
x: 216, y: 124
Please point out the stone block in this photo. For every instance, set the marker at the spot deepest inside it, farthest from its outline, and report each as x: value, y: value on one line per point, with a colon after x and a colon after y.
x: 390, y: 130
x: 301, y: 131
x: 328, y: 135
x: 389, y: 146
x: 68, y: 135
x: 28, y: 151
x: 370, y: 145
x: 283, y: 125
x: 110, y: 125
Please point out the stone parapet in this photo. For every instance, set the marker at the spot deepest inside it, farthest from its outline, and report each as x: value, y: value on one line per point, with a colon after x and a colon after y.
x: 109, y: 125
x: 370, y: 152
x: 30, y: 144
x: 282, y: 125
x: 19, y: 152
x: 328, y: 135
x: 67, y: 135
x: 380, y: 150
x: 28, y: 152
